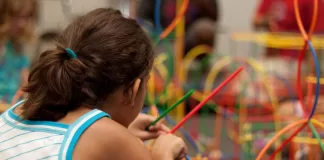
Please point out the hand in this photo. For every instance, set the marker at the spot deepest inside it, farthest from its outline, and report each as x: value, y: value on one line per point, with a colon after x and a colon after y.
x: 138, y: 126
x: 169, y: 146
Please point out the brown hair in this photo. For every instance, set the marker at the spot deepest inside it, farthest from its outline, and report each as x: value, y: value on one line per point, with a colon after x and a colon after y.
x: 112, y: 52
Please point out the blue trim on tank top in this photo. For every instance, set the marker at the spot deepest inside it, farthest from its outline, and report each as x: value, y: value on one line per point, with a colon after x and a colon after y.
x: 36, y: 129
x: 79, y: 132
x: 34, y: 126
x: 29, y: 122
x: 68, y: 133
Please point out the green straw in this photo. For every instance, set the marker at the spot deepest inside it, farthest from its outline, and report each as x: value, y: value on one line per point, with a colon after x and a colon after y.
x: 186, y: 96
x: 316, y: 135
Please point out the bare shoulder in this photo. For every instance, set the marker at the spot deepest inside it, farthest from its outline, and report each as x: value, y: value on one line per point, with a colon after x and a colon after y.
x: 106, y: 140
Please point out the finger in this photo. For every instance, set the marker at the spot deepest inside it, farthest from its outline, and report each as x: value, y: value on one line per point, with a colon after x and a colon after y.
x: 155, y: 127
x: 159, y: 127
x: 148, y: 117
x: 149, y: 135
x: 162, y: 132
x: 161, y: 121
x: 165, y: 128
x: 181, y: 157
x: 185, y: 150
x: 183, y: 153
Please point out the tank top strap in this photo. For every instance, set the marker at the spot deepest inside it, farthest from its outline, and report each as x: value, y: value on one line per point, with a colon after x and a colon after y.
x: 11, y: 108
x: 75, y: 131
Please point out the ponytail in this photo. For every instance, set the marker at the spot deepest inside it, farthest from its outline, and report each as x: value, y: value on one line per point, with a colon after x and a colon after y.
x: 52, y: 83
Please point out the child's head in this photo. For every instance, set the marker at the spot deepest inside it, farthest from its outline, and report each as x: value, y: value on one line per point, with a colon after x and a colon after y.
x: 17, y: 19
x: 114, y: 58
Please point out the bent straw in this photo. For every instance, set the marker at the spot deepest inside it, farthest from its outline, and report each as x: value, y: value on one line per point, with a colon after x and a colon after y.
x: 176, y: 20
x: 186, y: 96
x: 203, y: 102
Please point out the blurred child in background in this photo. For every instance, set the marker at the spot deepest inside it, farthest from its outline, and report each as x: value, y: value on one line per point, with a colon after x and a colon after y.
x: 200, y: 19
x: 16, y: 29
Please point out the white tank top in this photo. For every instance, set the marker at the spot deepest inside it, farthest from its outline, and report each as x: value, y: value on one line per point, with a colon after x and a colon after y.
x: 41, y: 140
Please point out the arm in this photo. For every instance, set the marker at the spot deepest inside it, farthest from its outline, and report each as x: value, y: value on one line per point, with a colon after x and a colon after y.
x: 107, y: 140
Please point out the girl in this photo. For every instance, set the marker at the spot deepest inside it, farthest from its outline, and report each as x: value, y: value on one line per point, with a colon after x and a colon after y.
x: 17, y: 19
x: 83, y: 95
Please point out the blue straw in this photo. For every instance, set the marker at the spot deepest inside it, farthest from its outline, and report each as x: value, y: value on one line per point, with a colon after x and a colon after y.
x: 157, y: 13
x: 318, y: 75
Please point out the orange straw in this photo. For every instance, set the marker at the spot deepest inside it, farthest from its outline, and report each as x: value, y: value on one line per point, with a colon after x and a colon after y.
x: 278, y: 135
x: 174, y: 23
x: 299, y: 91
x: 306, y: 37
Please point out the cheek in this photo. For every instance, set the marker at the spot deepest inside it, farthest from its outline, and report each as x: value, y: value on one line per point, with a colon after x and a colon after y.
x: 140, y: 98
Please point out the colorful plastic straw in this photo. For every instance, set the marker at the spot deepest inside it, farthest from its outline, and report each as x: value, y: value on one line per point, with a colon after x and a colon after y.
x: 203, y: 102
x: 288, y: 128
x: 186, y: 96
x: 174, y: 23
x: 307, y: 37
x: 300, y: 58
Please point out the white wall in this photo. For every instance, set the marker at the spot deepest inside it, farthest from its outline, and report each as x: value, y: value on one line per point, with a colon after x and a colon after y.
x: 52, y: 16
x: 235, y: 16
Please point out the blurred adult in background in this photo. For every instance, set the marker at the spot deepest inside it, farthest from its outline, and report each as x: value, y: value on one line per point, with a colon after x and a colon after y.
x: 17, y: 20
x: 279, y: 16
x: 200, y: 19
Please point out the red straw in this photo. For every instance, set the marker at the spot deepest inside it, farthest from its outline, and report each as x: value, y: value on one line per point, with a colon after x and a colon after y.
x: 203, y: 102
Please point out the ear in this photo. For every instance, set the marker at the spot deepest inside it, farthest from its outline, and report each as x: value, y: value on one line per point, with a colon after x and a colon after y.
x: 135, y: 90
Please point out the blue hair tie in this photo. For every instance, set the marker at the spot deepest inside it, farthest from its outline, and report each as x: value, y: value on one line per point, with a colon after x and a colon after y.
x: 71, y: 53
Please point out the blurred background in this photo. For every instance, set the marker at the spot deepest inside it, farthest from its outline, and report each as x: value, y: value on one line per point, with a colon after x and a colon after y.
x: 209, y: 41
